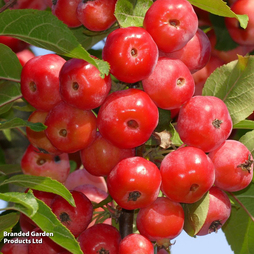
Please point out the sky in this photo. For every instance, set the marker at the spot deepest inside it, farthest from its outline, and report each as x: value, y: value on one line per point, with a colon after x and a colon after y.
x: 184, y: 244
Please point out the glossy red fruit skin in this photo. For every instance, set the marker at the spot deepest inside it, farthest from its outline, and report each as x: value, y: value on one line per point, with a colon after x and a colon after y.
x: 170, y: 85
x: 171, y: 23
x: 135, y: 244
x: 66, y: 11
x: 187, y: 174
x: 40, y: 86
x: 14, y: 44
x: 33, y: 162
x: 218, y: 212
x: 108, y: 153
x: 162, y: 220
x: 128, y: 183
x: 28, y: 4
x: 24, y: 56
x: 39, y: 139
x: 204, y: 122
x: 20, y: 247
x: 70, y: 129
x: 233, y: 166
x: 238, y: 34
x: 76, y: 219
x: 131, y: 53
x: 96, y: 15
x: 195, y: 54
x: 100, y: 237
x: 81, y: 84
x: 123, y: 118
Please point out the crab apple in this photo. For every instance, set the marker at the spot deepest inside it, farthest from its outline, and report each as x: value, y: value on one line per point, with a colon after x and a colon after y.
x: 28, y: 4
x: 82, y: 176
x: 100, y: 238
x: 108, y: 153
x: 16, y: 245
x: 14, y: 44
x: 127, y: 118
x: 76, y: 219
x: 70, y: 129
x: 33, y: 162
x: 134, y: 183
x: 204, y: 122
x: 96, y: 15
x: 171, y: 23
x: 218, y: 212
x: 187, y: 174
x: 237, y: 33
x: 233, y: 166
x: 195, y: 54
x: 161, y: 221
x: 75, y: 158
x: 40, y: 86
x: 131, y: 53
x: 81, y: 84
x: 66, y: 11
x: 38, y: 138
x: 170, y: 85
x: 135, y: 244
x: 24, y: 56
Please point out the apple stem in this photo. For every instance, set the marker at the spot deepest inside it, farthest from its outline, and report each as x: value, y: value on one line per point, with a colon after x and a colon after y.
x: 126, y: 222
x: 7, y: 5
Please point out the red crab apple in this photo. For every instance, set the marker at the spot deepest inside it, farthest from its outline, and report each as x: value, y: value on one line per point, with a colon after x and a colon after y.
x: 66, y: 11
x: 127, y: 118
x: 16, y: 245
x: 135, y: 243
x: 187, y: 174
x: 24, y: 56
x: 76, y: 219
x: 161, y: 221
x: 14, y: 44
x: 81, y: 84
x: 96, y: 15
x: 34, y: 162
x: 131, y: 53
x: 28, y: 4
x: 128, y: 182
x: 100, y: 238
x: 204, y: 122
x: 108, y: 153
x: 171, y: 23
x: 170, y: 85
x: 82, y: 176
x: 218, y: 212
x: 70, y: 129
x: 233, y: 166
x: 40, y: 86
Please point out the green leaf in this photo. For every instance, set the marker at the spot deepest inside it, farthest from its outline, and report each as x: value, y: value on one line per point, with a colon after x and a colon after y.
x: 175, y: 138
x: 239, y: 229
x: 245, y: 124
x: 22, y: 202
x: 18, y: 122
x: 233, y: 83
x: 195, y: 215
x: 7, y: 222
x: 42, y: 184
x: 131, y: 12
x: 48, y: 222
x: 44, y: 30
x: 9, y: 92
x: 9, y: 169
x: 248, y: 140
x: 10, y: 67
x: 220, y: 8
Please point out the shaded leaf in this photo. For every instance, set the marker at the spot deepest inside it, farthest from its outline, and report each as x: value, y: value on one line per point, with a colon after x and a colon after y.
x: 9, y: 169
x: 10, y: 67
x: 220, y: 8
x: 248, y: 140
x: 245, y: 124
x: 43, y: 29
x: 131, y: 12
x: 48, y: 222
x: 42, y: 184
x: 7, y: 222
x: 18, y: 122
x: 195, y: 215
x: 233, y: 83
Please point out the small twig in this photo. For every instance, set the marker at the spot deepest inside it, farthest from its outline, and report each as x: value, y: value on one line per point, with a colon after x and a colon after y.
x: 7, y: 5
